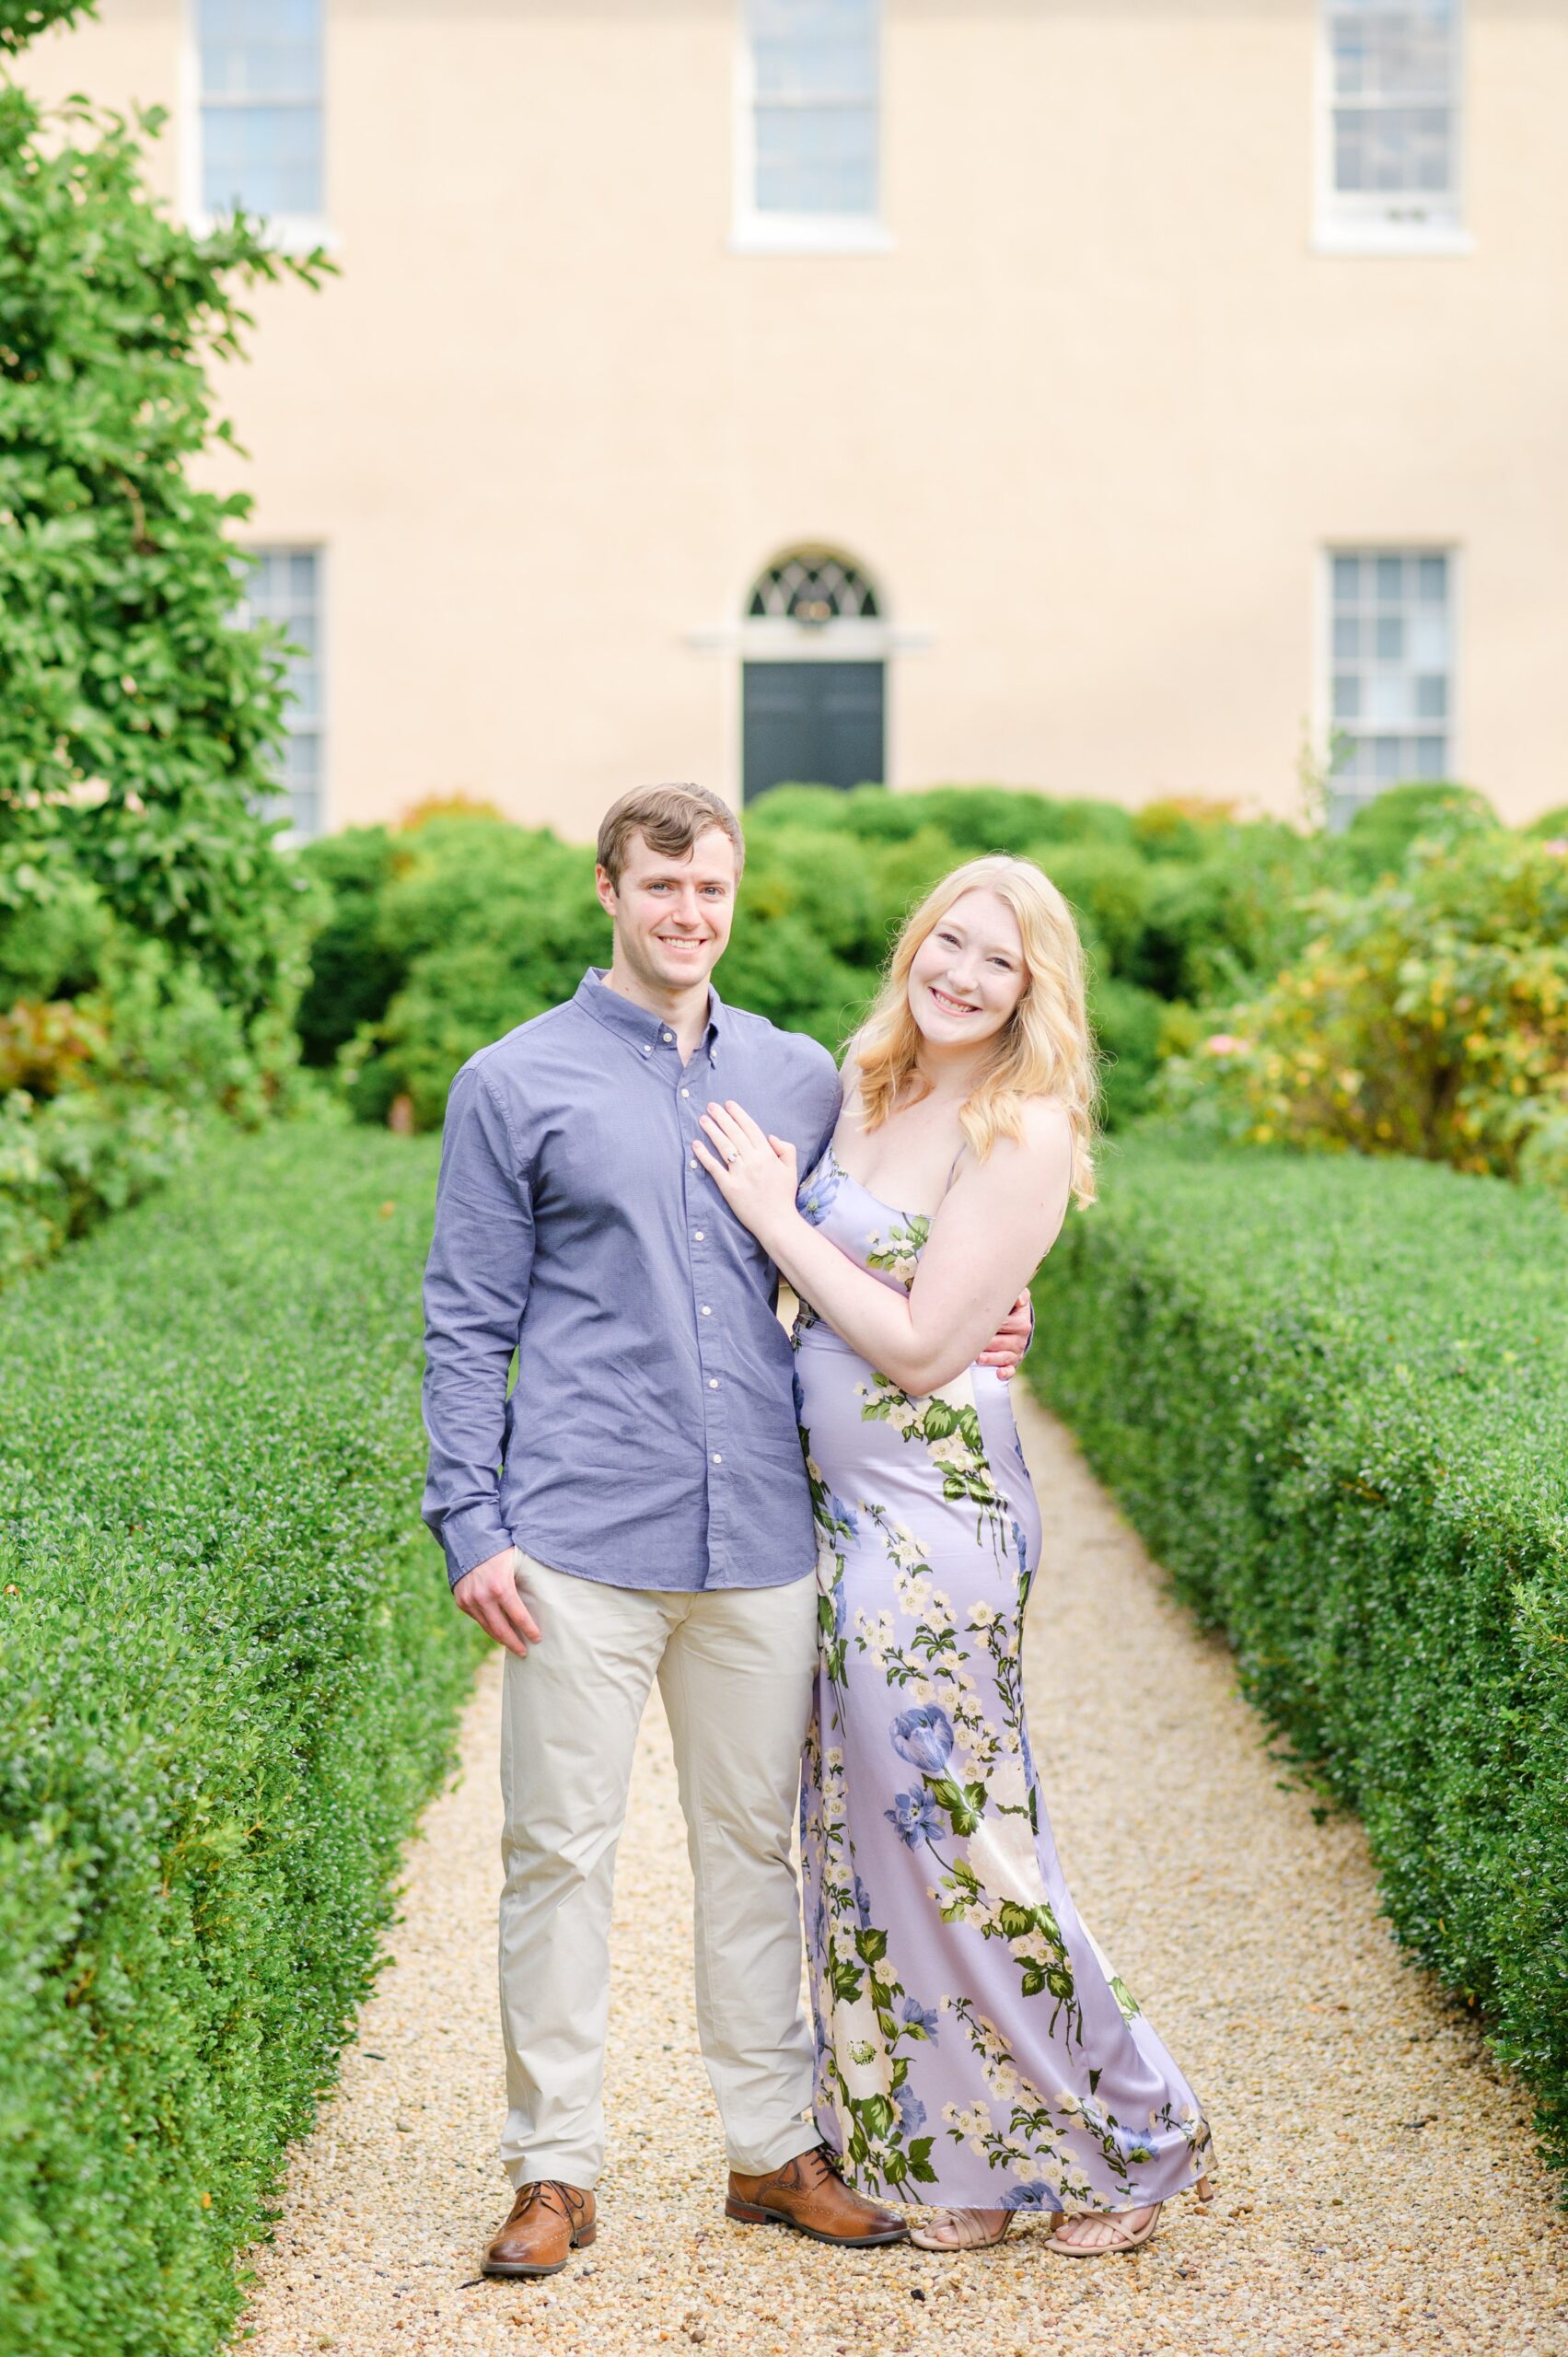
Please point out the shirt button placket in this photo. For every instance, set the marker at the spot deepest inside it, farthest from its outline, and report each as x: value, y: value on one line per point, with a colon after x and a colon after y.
x: 712, y: 1433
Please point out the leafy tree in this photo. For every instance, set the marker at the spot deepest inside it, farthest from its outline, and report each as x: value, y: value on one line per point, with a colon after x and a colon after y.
x: 137, y: 722
x: 18, y: 26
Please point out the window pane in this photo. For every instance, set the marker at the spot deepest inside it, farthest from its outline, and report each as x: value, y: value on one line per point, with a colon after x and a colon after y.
x: 816, y: 160
x: 815, y: 49
x: 282, y: 585
x: 1391, y: 669
x: 1387, y: 697
x: 1432, y: 579
x: 1353, y: 159
x: 815, y: 70
x: 1394, y: 68
x: 260, y: 49
x: 261, y: 70
x: 265, y: 159
x: 1427, y: 639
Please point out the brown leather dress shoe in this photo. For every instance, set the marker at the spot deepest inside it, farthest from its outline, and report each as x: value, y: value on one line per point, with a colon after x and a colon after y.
x: 808, y: 2194
x: 549, y: 2221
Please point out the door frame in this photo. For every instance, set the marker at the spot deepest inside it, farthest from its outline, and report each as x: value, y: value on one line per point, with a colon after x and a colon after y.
x: 777, y: 639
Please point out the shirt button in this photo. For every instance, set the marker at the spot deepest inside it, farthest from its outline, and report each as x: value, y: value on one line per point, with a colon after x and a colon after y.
x: 647, y: 1049
x: 718, y: 1458
x: 696, y: 1232
x: 686, y: 1092
x: 706, y: 1311
x: 666, y: 1036
x: 713, y: 1383
x: 694, y: 1165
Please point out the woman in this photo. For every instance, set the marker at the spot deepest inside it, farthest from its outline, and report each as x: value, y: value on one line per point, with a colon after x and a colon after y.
x: 974, y: 2046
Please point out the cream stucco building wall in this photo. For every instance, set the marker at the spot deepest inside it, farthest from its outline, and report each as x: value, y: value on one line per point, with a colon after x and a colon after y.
x: 1089, y: 421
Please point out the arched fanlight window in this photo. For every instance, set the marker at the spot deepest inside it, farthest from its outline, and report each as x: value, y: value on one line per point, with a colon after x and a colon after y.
x: 813, y: 587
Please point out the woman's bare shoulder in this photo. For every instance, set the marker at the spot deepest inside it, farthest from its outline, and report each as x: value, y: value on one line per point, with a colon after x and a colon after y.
x: 1042, y: 1142
x: 1046, y: 1121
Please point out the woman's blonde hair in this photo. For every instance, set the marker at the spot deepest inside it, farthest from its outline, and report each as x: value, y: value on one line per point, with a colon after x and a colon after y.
x: 1043, y: 1049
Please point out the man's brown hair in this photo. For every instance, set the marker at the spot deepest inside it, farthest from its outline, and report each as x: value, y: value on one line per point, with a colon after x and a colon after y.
x: 670, y: 818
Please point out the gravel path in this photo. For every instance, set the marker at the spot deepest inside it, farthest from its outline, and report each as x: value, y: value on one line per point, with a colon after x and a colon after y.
x: 1378, y: 2192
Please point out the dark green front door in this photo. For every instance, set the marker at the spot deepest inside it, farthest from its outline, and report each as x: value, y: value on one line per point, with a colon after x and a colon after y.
x: 812, y: 723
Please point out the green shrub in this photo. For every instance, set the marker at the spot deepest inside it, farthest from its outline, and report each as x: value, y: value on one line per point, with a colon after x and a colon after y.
x: 1129, y: 1026
x: 1227, y: 919
x: 1333, y: 1397
x: 352, y: 973
x: 1543, y: 1158
x: 1381, y: 832
x: 808, y: 931
x: 822, y: 875
x: 448, y: 931
x: 1550, y: 827
x: 1109, y: 889
x: 978, y: 819
x: 101, y: 1096
x: 229, y: 1678
x: 489, y: 923
x: 1181, y: 826
x: 52, y: 949
x: 1427, y: 1015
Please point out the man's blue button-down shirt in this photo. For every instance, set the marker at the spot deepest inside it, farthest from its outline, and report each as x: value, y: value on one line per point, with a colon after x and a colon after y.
x: 650, y: 1440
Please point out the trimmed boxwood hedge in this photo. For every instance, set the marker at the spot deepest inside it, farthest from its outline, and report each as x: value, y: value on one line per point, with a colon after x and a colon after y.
x: 1333, y: 1397
x: 230, y: 1674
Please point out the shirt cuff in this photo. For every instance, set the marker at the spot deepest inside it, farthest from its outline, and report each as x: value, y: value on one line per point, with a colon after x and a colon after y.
x: 471, y: 1537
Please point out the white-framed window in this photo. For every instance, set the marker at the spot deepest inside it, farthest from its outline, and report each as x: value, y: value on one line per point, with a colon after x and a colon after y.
x: 258, y: 142
x: 283, y: 586
x: 1390, y: 669
x: 808, y: 103
x: 1391, y: 77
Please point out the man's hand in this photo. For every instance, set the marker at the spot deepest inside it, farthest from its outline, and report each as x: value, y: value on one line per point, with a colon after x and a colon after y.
x: 1007, y: 1345
x: 489, y: 1593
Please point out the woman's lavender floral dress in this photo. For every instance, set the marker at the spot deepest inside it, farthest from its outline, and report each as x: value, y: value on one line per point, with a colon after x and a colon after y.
x: 973, y: 2045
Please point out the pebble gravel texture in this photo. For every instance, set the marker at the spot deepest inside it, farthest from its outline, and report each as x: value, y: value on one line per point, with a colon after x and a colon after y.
x: 1379, y: 2192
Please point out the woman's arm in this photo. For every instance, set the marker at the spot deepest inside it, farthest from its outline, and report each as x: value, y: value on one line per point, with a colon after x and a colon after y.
x: 994, y: 1226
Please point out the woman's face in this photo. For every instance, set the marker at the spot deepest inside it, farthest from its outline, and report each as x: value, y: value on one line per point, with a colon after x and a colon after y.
x: 969, y: 973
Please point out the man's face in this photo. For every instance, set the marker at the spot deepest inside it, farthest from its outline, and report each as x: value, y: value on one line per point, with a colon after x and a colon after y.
x: 672, y: 916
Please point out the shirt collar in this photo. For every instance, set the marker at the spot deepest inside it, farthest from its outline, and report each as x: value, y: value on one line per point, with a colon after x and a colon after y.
x: 642, y: 1030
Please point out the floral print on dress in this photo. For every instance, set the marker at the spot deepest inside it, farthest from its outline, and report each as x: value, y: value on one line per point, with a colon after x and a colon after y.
x: 973, y: 2044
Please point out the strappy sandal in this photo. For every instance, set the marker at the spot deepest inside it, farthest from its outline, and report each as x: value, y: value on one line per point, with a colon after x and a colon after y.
x: 969, y: 2236
x: 1128, y: 2239
x: 1132, y: 2238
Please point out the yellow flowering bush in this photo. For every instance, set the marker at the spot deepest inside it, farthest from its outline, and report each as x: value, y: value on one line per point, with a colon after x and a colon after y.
x: 1427, y: 1015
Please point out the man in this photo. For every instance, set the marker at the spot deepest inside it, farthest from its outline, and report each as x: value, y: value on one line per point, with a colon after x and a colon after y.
x: 650, y: 1518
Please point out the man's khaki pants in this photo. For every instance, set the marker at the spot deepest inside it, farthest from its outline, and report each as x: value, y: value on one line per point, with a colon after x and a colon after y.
x: 734, y: 1668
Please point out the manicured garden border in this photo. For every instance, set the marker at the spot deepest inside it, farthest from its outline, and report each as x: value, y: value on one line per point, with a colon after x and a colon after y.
x: 1332, y: 1394
x: 229, y: 1677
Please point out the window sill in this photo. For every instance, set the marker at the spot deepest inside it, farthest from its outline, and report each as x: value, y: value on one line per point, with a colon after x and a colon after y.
x: 806, y: 233
x: 286, y: 233
x: 1372, y: 236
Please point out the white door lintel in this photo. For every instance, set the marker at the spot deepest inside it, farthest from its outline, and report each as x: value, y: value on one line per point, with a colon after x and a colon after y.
x: 778, y: 640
